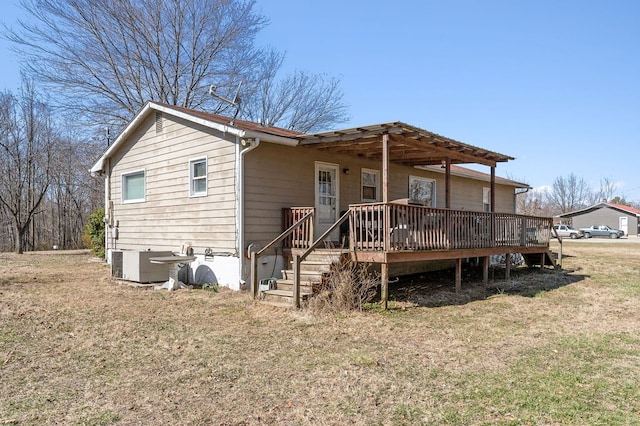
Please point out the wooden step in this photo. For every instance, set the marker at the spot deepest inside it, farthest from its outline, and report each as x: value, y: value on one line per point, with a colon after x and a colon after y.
x: 285, y: 305
x: 315, y: 265
x: 324, y: 256
x: 305, y: 275
x: 279, y: 296
x: 305, y: 286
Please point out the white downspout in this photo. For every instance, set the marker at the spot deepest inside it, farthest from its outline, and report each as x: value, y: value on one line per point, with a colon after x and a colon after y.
x: 107, y: 211
x: 240, y: 212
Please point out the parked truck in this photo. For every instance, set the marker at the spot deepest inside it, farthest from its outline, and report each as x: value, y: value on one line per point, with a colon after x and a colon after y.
x: 601, y: 231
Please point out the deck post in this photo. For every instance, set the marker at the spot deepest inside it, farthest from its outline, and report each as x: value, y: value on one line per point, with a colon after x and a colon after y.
x: 385, y: 167
x: 485, y: 270
x: 492, y: 195
x: 254, y: 275
x: 507, y: 266
x: 296, y: 281
x: 458, y: 275
x: 384, y: 285
x: 447, y: 183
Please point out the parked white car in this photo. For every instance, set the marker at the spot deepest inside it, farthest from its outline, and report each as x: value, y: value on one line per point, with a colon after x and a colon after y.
x: 567, y: 231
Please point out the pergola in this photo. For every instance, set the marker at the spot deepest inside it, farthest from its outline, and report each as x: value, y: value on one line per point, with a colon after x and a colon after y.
x: 402, y: 143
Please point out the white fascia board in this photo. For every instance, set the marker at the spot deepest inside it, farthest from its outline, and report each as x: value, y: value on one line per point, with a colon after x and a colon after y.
x: 99, y: 165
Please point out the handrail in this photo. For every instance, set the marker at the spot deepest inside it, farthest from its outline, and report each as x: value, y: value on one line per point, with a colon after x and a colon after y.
x: 279, y: 238
x: 298, y: 258
x: 285, y: 233
x: 559, y: 238
x: 326, y: 233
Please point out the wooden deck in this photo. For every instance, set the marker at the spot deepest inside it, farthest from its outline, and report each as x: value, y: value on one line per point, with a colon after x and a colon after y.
x: 393, y: 232
x: 387, y: 233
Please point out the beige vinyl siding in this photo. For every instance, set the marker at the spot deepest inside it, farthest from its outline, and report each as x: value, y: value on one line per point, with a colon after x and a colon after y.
x: 468, y: 195
x: 278, y: 177
x: 170, y: 218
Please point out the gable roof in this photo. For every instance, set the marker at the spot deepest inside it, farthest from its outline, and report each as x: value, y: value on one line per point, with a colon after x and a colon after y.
x: 239, y: 128
x: 619, y: 207
x: 408, y: 145
x: 247, y: 126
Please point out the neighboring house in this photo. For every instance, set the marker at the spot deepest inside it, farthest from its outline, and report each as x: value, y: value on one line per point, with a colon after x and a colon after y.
x: 182, y: 180
x: 616, y: 216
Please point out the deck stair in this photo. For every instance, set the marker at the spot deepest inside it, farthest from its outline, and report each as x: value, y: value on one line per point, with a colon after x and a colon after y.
x: 313, y: 271
x: 536, y: 259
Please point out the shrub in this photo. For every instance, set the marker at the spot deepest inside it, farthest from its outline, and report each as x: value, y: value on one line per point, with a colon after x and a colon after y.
x: 94, y: 232
x: 347, y: 288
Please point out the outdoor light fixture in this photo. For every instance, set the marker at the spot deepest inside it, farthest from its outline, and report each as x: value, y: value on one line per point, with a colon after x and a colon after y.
x: 345, y: 170
x: 444, y: 164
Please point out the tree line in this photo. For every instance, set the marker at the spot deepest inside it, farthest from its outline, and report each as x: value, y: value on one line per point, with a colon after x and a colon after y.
x: 46, y: 193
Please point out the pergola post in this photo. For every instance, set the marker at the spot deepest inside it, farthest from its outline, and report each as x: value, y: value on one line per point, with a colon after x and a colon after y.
x: 492, y: 196
x: 447, y: 183
x: 384, y: 278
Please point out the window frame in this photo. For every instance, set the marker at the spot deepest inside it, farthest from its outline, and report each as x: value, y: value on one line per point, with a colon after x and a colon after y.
x: 414, y: 180
x: 192, y: 178
x: 123, y: 186
x: 375, y: 173
x: 486, y: 199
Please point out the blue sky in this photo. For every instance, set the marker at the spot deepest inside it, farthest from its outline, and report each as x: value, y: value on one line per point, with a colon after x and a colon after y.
x: 555, y: 84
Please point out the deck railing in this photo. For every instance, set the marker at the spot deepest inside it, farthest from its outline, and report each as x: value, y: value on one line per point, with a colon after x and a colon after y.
x: 396, y: 227
x: 424, y: 228
x: 302, y: 236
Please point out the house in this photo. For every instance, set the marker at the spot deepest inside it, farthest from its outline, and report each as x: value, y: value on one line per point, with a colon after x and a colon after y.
x: 616, y: 216
x: 393, y: 194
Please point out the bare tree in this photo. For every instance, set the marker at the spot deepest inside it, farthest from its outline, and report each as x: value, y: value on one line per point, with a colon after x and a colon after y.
x: 605, y: 192
x: 568, y: 194
x: 26, y: 158
x: 72, y: 196
x: 300, y: 101
x: 105, y: 59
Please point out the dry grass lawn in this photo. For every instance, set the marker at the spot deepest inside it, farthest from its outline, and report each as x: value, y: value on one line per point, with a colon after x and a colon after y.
x: 76, y: 347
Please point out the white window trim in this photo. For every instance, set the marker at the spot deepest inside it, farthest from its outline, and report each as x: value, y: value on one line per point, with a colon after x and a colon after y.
x: 423, y: 179
x: 486, y: 199
x: 371, y: 172
x: 123, y: 176
x: 191, y: 177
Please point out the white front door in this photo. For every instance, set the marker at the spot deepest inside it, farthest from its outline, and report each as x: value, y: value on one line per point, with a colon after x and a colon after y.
x: 327, y: 199
x: 624, y: 225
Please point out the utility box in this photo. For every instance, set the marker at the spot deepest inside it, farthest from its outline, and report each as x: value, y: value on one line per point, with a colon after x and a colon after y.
x: 134, y: 265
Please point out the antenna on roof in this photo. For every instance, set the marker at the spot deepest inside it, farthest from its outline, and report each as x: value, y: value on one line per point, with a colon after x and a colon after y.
x: 235, y: 102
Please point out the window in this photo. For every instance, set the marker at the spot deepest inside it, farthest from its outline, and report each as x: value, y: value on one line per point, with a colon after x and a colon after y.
x: 198, y: 177
x: 133, y: 187
x: 370, y: 184
x: 486, y: 199
x: 422, y: 191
